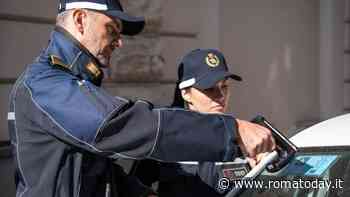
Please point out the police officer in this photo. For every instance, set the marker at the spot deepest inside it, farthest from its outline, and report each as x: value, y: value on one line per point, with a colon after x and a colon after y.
x: 66, y: 130
x: 210, y: 94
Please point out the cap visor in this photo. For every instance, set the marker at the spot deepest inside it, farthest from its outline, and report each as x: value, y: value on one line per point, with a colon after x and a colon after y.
x: 208, y: 82
x: 235, y: 77
x: 131, y: 25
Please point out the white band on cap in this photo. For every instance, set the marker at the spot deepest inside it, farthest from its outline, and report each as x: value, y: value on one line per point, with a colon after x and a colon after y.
x: 87, y: 5
x: 187, y: 83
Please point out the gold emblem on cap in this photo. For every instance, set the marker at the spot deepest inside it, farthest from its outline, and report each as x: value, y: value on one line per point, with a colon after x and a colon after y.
x: 212, y: 60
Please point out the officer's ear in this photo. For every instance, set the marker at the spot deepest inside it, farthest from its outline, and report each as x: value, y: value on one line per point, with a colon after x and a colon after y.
x: 80, y: 20
x: 186, y: 95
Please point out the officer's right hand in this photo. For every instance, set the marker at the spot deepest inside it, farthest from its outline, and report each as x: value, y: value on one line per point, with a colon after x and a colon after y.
x: 254, y: 140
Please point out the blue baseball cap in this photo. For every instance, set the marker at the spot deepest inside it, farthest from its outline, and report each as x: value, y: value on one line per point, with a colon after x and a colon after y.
x: 131, y: 25
x: 203, y: 68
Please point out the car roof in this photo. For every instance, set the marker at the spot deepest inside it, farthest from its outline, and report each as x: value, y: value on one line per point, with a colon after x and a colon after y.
x: 332, y: 132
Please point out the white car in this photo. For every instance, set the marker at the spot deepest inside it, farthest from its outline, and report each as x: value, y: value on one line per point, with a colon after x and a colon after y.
x: 320, y: 168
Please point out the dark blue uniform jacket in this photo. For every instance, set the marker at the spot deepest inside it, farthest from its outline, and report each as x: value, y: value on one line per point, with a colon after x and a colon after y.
x: 66, y: 130
x: 185, y: 179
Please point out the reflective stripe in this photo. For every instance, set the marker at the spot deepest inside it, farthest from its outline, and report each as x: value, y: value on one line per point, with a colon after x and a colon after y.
x: 187, y: 83
x: 88, y: 5
x: 11, y: 116
x: 188, y: 162
x: 236, y: 161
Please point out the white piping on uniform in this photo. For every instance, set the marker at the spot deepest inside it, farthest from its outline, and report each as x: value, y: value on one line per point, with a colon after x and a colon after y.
x: 188, y: 162
x: 155, y: 141
x: 75, y: 60
x: 106, y: 118
x: 65, y: 131
x: 11, y: 116
x: 215, y: 163
x: 17, y: 142
x: 183, y: 109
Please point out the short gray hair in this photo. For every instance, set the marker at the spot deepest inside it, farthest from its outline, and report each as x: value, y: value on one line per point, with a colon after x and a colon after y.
x: 61, y: 19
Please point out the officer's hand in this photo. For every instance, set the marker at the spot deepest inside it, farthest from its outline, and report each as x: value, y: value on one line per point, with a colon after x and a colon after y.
x: 254, y: 161
x: 254, y: 139
x: 251, y: 161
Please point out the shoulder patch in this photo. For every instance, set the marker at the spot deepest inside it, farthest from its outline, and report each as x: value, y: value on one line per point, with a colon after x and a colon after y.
x: 56, y: 61
x: 94, y: 70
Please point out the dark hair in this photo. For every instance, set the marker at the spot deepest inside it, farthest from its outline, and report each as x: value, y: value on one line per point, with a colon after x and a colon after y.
x: 178, y: 101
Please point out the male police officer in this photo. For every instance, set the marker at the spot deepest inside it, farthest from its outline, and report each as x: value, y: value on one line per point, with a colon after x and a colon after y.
x: 66, y: 130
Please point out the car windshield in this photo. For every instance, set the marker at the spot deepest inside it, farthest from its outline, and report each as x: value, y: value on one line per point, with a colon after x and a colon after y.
x: 313, y: 172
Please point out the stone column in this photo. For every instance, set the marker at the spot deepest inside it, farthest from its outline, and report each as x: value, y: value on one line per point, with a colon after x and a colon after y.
x: 140, y: 58
x: 331, y: 58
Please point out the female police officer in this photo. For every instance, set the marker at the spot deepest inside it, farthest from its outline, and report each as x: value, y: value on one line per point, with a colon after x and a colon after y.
x: 203, y: 86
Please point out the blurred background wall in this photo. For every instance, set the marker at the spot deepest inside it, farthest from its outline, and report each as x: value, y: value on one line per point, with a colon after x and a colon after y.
x: 292, y: 55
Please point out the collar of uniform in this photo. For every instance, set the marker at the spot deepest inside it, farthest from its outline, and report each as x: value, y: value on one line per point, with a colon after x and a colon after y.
x: 74, y: 56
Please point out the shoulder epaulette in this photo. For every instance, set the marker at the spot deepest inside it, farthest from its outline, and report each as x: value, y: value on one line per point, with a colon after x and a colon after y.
x: 93, y: 69
x: 56, y: 61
